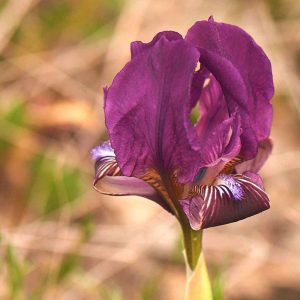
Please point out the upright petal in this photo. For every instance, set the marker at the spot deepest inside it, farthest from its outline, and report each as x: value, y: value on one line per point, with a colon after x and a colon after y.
x: 144, y: 111
x: 197, y: 85
x: 138, y: 47
x: 213, y: 107
x: 244, y: 72
x: 217, y: 134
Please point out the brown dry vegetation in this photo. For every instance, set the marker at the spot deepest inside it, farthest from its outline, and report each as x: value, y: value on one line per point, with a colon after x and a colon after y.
x: 62, y: 240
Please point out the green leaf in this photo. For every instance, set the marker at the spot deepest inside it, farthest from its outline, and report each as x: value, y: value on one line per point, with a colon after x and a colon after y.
x: 87, y: 227
x: 217, y: 281
x: 16, y: 114
x: 52, y: 185
x: 149, y: 289
x: 71, y: 180
x: 68, y: 265
x: 108, y: 293
x: 15, y: 272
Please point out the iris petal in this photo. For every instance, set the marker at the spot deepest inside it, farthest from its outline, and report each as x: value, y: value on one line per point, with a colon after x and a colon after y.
x: 197, y: 85
x: 244, y: 72
x: 144, y: 111
x: 254, y: 165
x: 110, y: 181
x: 235, y: 198
x: 217, y: 134
x: 138, y: 47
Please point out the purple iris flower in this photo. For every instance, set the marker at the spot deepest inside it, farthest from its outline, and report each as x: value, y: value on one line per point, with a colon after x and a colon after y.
x: 203, y: 173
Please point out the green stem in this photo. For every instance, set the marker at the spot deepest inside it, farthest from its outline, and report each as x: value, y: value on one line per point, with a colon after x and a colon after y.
x: 192, y: 244
x: 197, y: 284
x: 192, y: 238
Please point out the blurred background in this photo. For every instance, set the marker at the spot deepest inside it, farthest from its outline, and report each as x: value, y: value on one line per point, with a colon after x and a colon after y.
x: 59, y: 239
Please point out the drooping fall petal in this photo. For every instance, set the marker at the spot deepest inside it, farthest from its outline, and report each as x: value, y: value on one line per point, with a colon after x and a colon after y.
x: 110, y: 181
x: 233, y: 198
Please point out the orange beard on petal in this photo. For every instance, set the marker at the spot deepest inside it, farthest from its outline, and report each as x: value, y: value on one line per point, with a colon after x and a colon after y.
x: 169, y: 188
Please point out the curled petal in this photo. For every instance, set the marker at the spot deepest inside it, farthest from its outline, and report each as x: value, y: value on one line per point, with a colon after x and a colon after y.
x: 197, y: 85
x: 223, y: 143
x: 213, y: 106
x: 255, y: 178
x: 110, y: 181
x: 244, y: 72
x: 217, y: 135
x: 254, y: 165
x: 234, y: 198
x: 138, y: 47
x: 103, y: 151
